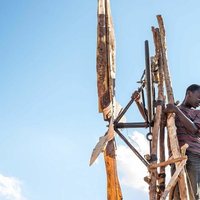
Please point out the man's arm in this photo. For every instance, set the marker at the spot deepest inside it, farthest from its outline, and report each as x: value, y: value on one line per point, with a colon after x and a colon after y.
x: 187, y: 123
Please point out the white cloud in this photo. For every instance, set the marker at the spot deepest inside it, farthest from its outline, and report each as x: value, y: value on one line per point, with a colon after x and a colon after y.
x: 10, y: 188
x: 131, y: 169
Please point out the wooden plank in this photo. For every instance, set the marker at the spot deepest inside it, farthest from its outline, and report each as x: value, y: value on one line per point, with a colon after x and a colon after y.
x: 171, y: 117
x: 113, y: 186
x: 105, y: 59
x: 101, y: 60
x: 162, y: 173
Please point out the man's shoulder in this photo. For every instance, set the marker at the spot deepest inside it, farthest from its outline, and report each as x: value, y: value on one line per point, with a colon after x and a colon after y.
x: 190, y: 112
x: 185, y: 110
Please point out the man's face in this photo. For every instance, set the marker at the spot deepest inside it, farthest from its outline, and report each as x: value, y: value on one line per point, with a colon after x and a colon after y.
x: 194, y: 98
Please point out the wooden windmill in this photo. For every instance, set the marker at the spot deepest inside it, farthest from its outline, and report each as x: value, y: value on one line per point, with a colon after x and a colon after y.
x: 155, y: 80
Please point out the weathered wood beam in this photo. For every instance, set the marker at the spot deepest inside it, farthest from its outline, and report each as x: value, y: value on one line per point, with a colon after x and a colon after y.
x: 113, y: 185
x: 158, y: 59
x: 167, y: 162
x: 157, y: 122
x: 173, y: 179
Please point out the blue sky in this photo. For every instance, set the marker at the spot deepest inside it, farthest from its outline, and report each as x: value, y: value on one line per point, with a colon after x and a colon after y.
x: 49, y: 121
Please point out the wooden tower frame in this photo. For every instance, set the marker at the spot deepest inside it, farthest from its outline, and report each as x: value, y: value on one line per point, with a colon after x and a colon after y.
x: 156, y: 75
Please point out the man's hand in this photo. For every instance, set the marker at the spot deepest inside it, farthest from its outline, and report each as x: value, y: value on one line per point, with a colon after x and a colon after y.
x: 171, y: 108
x: 136, y: 96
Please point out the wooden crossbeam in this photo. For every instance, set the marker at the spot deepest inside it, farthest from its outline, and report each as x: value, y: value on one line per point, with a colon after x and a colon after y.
x: 173, y: 179
x: 167, y: 162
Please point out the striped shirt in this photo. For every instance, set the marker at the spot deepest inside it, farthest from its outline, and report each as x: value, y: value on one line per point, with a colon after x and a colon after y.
x: 184, y: 136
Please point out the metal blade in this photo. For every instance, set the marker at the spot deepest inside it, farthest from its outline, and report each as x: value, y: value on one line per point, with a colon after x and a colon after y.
x: 100, y: 146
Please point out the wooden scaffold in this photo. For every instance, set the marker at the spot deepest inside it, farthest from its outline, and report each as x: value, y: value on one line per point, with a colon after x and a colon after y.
x: 155, y: 81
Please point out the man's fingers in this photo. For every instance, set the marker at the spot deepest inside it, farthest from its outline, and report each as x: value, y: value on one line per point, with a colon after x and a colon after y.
x: 136, y: 96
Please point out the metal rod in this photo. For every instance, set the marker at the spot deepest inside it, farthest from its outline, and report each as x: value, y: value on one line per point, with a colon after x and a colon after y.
x: 127, y: 106
x: 144, y: 105
x: 145, y: 162
x: 132, y: 125
x: 123, y: 111
x: 149, y: 85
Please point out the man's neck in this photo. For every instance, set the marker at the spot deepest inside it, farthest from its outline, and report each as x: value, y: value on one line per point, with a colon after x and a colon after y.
x: 186, y: 104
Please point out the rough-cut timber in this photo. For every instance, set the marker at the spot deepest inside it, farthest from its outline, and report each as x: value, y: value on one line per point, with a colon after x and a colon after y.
x: 171, y: 117
x: 156, y: 127
x: 167, y: 162
x: 105, y: 59
x: 113, y: 186
x: 162, y: 174
x: 158, y: 59
x: 174, y: 179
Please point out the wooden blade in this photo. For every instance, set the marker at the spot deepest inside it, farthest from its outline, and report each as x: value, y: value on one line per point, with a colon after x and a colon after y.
x: 113, y: 186
x: 105, y: 58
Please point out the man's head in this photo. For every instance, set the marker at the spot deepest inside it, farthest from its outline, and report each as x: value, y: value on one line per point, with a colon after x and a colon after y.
x: 192, y: 97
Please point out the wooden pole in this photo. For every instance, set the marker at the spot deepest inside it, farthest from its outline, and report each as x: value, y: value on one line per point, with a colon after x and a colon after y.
x: 156, y: 128
x: 162, y: 174
x: 158, y: 58
x: 171, y: 117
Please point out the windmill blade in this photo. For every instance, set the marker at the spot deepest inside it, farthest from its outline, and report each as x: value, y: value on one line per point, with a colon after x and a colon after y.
x: 106, y: 95
x: 98, y: 149
x: 105, y: 64
x: 101, y: 145
x: 105, y: 74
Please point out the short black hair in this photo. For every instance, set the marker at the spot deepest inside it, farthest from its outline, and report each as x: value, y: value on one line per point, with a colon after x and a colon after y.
x: 193, y: 88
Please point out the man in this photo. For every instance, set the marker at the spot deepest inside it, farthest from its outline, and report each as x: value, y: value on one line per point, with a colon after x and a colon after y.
x: 188, y: 131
